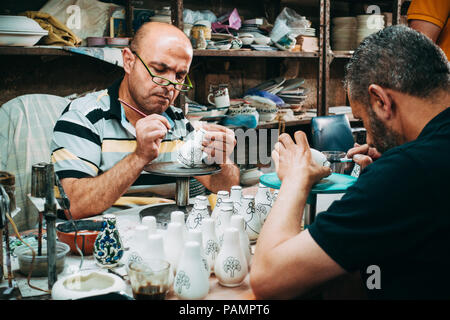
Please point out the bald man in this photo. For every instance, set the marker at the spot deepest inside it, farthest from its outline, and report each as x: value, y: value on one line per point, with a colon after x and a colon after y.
x: 102, y: 141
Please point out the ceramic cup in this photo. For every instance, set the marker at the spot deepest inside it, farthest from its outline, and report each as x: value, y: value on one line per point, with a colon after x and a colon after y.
x: 221, y: 97
x: 149, y: 279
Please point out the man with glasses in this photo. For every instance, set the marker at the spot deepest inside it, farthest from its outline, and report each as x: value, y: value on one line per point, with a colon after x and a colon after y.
x: 102, y: 141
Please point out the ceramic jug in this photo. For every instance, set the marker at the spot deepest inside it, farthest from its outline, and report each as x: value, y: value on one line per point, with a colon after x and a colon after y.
x: 237, y: 221
x: 210, y: 242
x: 251, y: 217
x: 108, y: 248
x: 173, y: 243
x: 223, y: 222
x: 263, y: 202
x: 191, y: 280
x: 196, y: 236
x: 231, y: 266
x: 150, y: 222
x: 221, y: 195
x: 196, y: 216
x: 236, y: 197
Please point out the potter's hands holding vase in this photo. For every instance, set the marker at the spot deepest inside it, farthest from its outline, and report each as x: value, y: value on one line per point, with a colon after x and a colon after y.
x: 149, y: 133
x: 218, y: 143
x: 293, y: 160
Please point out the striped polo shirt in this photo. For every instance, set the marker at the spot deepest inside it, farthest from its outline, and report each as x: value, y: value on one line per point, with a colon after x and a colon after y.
x: 93, y: 134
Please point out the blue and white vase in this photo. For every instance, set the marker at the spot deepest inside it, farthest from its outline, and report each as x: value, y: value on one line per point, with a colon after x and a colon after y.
x: 108, y: 248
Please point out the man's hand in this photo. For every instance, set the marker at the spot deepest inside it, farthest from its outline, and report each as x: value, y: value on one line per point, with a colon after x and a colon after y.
x: 149, y: 133
x: 293, y: 160
x: 218, y: 143
x: 363, y: 155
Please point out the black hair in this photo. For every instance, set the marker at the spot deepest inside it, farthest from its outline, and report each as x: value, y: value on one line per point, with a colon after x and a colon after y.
x: 397, y: 58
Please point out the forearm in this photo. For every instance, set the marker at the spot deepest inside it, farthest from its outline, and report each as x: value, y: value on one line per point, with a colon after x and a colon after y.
x: 285, y: 218
x: 91, y: 196
x: 229, y: 176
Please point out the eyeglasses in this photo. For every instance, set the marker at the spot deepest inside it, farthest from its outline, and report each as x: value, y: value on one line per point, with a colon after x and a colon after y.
x: 161, y: 81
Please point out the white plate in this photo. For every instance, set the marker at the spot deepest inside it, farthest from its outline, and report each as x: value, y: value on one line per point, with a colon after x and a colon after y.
x: 19, y: 24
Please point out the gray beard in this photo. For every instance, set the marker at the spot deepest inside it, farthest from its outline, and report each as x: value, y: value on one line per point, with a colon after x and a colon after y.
x: 383, y: 137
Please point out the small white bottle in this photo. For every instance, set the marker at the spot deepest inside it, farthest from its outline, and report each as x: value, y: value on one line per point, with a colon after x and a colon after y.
x: 150, y: 222
x: 210, y: 243
x: 178, y: 216
x: 251, y: 217
x: 236, y: 197
x: 221, y: 195
x: 237, y: 221
x: 263, y: 202
x: 223, y: 222
x: 196, y: 236
x: 155, y: 250
x: 138, y: 244
x: 231, y: 265
x: 173, y: 243
x: 196, y: 216
x: 191, y: 281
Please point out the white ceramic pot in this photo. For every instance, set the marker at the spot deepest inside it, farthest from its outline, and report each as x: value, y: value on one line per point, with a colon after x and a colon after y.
x: 196, y: 236
x: 138, y: 244
x: 155, y: 250
x: 237, y: 221
x: 222, y: 223
x: 150, y: 222
x: 251, y: 217
x: 191, y: 281
x: 263, y: 202
x: 236, y: 197
x: 210, y: 243
x: 86, y: 284
x: 173, y: 243
x: 178, y: 216
x: 231, y: 265
x: 221, y: 195
x: 195, y: 218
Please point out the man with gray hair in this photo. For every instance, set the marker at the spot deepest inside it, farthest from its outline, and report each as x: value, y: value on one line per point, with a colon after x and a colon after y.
x: 393, y: 225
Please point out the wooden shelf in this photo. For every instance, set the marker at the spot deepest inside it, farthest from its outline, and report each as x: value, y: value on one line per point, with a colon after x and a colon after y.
x: 34, y: 51
x: 254, y: 53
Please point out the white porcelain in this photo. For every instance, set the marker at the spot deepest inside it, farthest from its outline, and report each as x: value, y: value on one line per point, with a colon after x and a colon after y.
x: 263, y: 202
x: 191, y: 281
x: 318, y: 157
x: 138, y: 244
x: 231, y: 265
x: 262, y: 40
x: 150, y: 222
x: 237, y: 221
x: 196, y: 236
x: 20, y: 24
x: 86, y: 284
x: 236, y: 197
x: 202, y: 200
x: 210, y: 242
x: 246, y: 38
x: 195, y: 218
x: 173, y: 243
x: 275, y: 196
x: 251, y: 217
x: 178, y: 216
x: 221, y: 195
x: 250, y: 177
x: 222, y: 223
x: 155, y: 250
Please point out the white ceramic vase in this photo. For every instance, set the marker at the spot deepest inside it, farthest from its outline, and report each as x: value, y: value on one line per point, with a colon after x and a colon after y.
x: 155, y: 250
x: 138, y: 244
x: 251, y: 217
x: 196, y: 216
x: 210, y: 243
x: 263, y: 202
x: 178, y: 216
x: 237, y: 221
x: 236, y: 197
x: 223, y: 222
x: 150, y: 222
x: 203, y: 200
x: 196, y: 236
x: 191, y: 281
x: 221, y: 195
x: 231, y: 265
x: 173, y: 243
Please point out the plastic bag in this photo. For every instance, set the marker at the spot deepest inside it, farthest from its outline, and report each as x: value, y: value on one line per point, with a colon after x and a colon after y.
x: 86, y: 18
x: 228, y: 21
x: 190, y: 16
x: 285, y: 22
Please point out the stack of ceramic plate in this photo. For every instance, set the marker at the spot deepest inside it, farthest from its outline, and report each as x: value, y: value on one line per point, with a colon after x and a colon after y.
x: 368, y: 24
x: 343, y: 33
x: 162, y: 15
x: 20, y: 31
x: 310, y: 32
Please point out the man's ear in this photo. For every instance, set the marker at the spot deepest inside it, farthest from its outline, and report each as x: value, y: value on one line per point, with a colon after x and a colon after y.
x: 381, y: 102
x: 128, y: 60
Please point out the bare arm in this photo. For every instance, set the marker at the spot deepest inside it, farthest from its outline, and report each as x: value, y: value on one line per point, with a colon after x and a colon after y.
x: 429, y: 29
x: 91, y: 196
x: 224, y: 180
x: 282, y: 248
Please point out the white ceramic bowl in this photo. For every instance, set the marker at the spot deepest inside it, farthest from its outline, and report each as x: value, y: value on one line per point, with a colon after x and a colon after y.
x: 262, y: 40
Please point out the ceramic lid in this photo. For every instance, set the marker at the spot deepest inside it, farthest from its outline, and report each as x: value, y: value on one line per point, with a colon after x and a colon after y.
x: 20, y: 24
